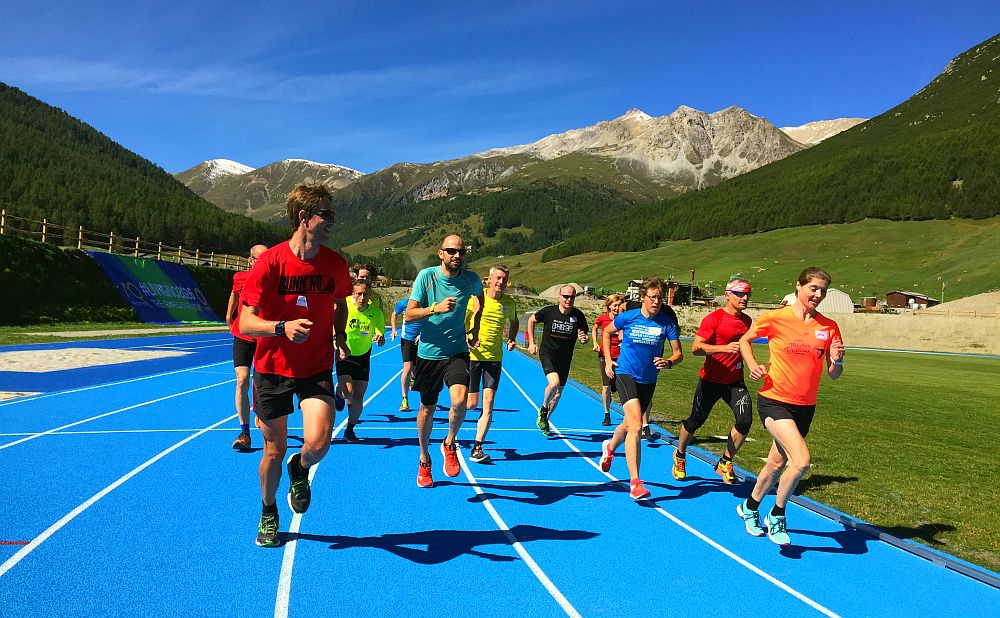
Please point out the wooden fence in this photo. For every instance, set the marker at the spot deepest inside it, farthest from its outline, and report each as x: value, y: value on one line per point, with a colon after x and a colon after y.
x: 47, y: 232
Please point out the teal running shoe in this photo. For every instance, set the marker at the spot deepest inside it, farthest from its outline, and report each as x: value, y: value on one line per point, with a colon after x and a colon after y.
x: 751, y: 519
x: 777, y: 530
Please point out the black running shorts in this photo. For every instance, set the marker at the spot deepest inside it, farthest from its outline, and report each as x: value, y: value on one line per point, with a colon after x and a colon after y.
x: 272, y: 394
x: 430, y: 376
x: 802, y: 415
x: 556, y: 365
x: 708, y: 393
x: 629, y: 389
x: 408, y: 348
x: 485, y: 372
x: 243, y: 352
x: 357, y: 367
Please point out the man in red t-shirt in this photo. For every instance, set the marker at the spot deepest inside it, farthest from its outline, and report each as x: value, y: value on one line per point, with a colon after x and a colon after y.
x: 294, y: 304
x: 718, y: 340
x: 243, y: 349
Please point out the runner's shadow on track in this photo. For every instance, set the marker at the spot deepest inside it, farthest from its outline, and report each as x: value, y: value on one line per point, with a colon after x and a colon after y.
x: 391, y: 418
x: 510, y: 454
x: 592, y: 438
x: 691, y: 490
x: 445, y: 545
x: 545, y: 494
x: 850, y: 541
x: 380, y: 442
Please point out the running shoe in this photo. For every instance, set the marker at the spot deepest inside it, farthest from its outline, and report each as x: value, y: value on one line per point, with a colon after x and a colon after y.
x: 680, y: 466
x: 451, y: 467
x: 647, y: 433
x: 404, y: 406
x: 350, y: 436
x: 338, y: 401
x: 777, y: 529
x: 725, y: 470
x: 267, y: 531
x: 478, y: 456
x: 751, y: 519
x: 607, y: 421
x: 299, y: 493
x: 638, y: 491
x: 607, y: 455
x: 424, y: 478
x: 543, y: 422
x: 242, y: 442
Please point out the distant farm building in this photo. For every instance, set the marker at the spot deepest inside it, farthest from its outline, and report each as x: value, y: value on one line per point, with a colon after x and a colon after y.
x: 677, y: 293
x: 902, y: 299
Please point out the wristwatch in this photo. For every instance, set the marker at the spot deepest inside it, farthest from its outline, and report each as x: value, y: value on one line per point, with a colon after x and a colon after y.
x: 279, y: 329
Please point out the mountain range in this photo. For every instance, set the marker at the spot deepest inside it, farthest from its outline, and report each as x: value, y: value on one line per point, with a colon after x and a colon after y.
x: 639, y: 156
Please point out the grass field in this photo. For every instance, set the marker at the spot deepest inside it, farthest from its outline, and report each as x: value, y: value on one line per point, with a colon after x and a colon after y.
x: 868, y: 258
x: 904, y: 441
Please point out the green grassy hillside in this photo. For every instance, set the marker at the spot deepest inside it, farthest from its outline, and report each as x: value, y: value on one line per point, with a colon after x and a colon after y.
x: 55, y: 167
x: 932, y: 157
x: 867, y: 258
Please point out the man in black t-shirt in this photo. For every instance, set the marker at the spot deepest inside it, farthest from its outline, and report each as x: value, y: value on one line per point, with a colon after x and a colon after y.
x: 562, y: 326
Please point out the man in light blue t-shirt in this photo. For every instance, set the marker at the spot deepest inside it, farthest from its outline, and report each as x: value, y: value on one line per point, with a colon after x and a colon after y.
x: 439, y: 298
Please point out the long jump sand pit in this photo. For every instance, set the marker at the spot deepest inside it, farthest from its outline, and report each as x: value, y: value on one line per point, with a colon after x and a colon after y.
x: 41, y: 361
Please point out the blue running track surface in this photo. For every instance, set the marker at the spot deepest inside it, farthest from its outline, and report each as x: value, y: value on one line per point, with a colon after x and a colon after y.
x: 122, y: 496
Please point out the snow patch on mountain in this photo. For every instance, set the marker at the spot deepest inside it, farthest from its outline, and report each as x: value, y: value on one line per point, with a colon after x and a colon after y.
x: 815, y: 132
x: 218, y: 168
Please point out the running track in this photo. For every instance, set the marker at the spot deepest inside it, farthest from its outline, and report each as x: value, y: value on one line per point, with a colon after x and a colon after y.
x: 122, y: 497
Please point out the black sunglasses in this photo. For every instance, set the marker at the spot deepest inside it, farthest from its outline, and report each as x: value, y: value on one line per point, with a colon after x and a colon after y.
x: 740, y: 294
x: 453, y: 251
x: 568, y: 296
x: 326, y: 215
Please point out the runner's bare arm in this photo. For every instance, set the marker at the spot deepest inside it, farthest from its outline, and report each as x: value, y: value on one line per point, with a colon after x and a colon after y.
x: 252, y: 325
x: 757, y: 371
x: 232, y: 308
x: 529, y: 334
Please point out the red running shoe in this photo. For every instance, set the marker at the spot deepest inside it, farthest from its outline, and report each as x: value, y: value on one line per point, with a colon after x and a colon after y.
x: 639, y: 490
x: 607, y: 455
x: 451, y: 467
x: 424, y: 475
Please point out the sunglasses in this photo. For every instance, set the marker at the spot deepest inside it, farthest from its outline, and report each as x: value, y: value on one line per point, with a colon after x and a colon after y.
x: 326, y: 215
x: 568, y: 296
x: 740, y: 294
x: 453, y: 251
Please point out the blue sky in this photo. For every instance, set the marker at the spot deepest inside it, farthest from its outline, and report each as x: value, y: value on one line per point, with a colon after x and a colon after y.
x: 368, y: 84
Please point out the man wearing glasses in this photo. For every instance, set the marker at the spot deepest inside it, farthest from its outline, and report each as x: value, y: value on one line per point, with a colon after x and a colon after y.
x: 293, y: 302
x: 718, y: 340
x: 562, y: 326
x: 243, y: 349
x: 440, y: 297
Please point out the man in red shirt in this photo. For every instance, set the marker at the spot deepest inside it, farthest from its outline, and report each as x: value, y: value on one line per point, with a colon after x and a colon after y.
x: 243, y: 349
x: 294, y: 300
x: 718, y: 340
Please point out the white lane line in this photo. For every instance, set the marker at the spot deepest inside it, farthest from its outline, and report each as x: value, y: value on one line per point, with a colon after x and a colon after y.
x: 106, y: 384
x: 94, y: 418
x: 544, y: 481
x: 41, y: 538
x: 521, y: 551
x: 288, y: 555
x: 780, y: 584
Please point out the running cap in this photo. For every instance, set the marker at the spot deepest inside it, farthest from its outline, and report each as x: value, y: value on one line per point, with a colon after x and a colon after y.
x: 737, y: 286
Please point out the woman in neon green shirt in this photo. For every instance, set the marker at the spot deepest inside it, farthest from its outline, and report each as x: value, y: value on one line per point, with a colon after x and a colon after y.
x: 365, y: 326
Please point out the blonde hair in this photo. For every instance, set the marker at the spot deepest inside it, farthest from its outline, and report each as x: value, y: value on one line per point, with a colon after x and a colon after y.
x: 612, y: 299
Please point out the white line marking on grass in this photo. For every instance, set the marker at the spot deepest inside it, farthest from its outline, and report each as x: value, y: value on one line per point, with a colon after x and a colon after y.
x: 41, y: 538
x: 288, y: 555
x: 94, y: 418
x: 780, y: 584
x: 106, y: 384
x: 521, y: 551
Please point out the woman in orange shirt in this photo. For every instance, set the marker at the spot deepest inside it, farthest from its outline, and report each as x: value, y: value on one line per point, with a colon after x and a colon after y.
x: 801, y: 341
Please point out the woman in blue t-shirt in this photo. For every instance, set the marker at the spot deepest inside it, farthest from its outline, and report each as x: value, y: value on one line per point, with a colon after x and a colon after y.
x: 644, y: 333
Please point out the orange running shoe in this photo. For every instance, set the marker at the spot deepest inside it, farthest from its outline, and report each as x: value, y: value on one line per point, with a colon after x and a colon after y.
x: 725, y: 470
x: 679, y: 469
x: 424, y: 475
x: 451, y: 467
x: 639, y: 490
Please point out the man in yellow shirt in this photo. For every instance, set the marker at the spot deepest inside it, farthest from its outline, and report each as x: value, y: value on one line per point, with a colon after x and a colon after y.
x: 365, y: 325
x: 498, y: 310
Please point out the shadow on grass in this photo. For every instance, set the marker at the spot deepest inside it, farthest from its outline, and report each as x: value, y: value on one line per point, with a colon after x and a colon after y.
x: 438, y: 546
x: 822, y: 480
x: 925, y: 533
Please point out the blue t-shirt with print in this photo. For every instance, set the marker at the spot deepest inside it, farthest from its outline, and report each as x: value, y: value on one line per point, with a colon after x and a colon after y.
x: 411, y: 330
x: 443, y: 334
x: 642, y: 341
